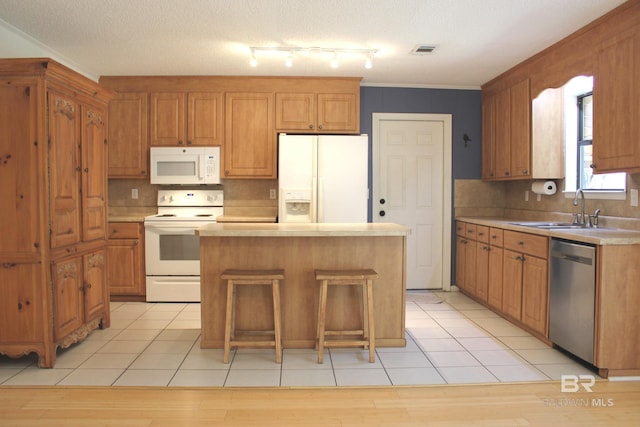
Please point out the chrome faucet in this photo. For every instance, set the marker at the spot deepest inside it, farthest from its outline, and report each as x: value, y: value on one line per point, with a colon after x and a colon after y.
x: 580, y: 193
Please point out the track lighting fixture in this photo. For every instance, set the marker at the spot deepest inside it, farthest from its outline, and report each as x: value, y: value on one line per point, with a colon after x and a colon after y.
x: 290, y: 51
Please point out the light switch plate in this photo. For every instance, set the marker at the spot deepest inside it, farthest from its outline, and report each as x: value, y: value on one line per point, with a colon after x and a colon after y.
x: 134, y: 193
x: 272, y: 194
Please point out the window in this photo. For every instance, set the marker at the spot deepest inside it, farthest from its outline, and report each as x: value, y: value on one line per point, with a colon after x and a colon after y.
x: 586, y: 179
x: 578, y: 146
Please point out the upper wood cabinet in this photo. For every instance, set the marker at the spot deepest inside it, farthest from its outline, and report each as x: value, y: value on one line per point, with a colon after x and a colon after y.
x: 184, y: 119
x: 22, y: 236
x: 250, y: 147
x: 240, y: 114
x: 128, y: 135
x: 78, y: 170
x: 507, y: 133
x: 607, y: 49
x: 317, y: 112
x: 616, y: 105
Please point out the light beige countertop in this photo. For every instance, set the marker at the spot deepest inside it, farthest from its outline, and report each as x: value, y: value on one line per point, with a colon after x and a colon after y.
x: 130, y: 214
x: 302, y: 230
x: 243, y: 218
x: 597, y: 236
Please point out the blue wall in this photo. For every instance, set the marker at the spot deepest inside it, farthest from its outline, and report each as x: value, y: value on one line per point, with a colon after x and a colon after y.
x: 465, y: 107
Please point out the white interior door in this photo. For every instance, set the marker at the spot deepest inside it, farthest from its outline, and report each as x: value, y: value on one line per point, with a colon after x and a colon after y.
x: 412, y: 186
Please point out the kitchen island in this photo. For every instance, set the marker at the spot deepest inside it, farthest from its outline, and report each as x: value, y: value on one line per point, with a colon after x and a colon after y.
x: 300, y: 249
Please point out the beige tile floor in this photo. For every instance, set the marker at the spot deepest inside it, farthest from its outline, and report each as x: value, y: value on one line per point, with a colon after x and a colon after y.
x: 157, y: 344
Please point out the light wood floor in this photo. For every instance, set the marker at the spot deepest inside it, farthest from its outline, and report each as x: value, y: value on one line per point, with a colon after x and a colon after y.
x: 532, y: 404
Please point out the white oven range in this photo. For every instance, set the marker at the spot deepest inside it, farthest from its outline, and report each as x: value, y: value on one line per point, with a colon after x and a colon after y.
x: 172, y: 248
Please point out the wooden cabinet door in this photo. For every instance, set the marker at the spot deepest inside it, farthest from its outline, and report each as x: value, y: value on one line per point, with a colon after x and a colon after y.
x: 94, y: 173
x: 482, y: 270
x: 535, y: 294
x: 488, y: 136
x: 461, y: 260
x: 128, y: 136
x: 64, y: 170
x: 19, y: 170
x: 338, y: 112
x: 503, y: 134
x: 125, y: 249
x: 68, y: 303
x: 21, y: 308
x: 295, y: 112
x: 471, y: 260
x: 494, y: 293
x: 520, y: 129
x: 94, y: 283
x: 250, y: 148
x: 124, y: 274
x: 204, y: 118
x: 167, y: 121
x: 512, y: 283
x: 616, y: 105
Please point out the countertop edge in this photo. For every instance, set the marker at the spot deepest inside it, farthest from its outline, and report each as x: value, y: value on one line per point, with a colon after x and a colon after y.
x: 302, y: 230
x: 596, y: 236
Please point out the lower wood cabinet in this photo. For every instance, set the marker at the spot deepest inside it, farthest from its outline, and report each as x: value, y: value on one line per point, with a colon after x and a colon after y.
x: 126, y: 275
x: 507, y: 270
x: 79, y: 294
x: 495, y: 281
x: 21, y: 317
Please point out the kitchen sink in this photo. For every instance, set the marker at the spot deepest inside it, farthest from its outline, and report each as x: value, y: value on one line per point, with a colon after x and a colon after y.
x: 549, y: 225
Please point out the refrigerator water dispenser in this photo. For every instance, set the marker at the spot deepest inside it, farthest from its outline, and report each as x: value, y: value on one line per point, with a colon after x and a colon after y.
x: 295, y: 206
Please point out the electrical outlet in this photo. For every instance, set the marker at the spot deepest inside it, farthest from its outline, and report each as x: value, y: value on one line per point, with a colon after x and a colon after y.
x: 526, y: 195
x: 633, y: 196
x: 272, y: 194
x: 134, y: 193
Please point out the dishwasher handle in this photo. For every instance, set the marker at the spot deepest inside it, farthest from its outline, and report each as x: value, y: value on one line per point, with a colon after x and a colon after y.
x: 574, y: 258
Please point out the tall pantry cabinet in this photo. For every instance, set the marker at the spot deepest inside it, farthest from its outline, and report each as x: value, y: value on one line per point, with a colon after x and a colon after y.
x: 53, y: 220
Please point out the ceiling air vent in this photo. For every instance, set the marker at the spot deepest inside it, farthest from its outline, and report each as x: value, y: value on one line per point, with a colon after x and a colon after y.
x: 423, y: 49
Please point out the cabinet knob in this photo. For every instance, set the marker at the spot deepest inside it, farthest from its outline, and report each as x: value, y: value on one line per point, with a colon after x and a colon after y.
x: 180, y: 142
x: 310, y: 126
x: 188, y: 142
x: 593, y: 166
x: 520, y: 243
x: 506, y: 173
x: 382, y: 201
x: 319, y: 126
x: 382, y: 213
x: 525, y: 171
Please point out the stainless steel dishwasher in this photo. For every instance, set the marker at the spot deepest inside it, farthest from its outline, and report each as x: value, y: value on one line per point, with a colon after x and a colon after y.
x: 572, y: 297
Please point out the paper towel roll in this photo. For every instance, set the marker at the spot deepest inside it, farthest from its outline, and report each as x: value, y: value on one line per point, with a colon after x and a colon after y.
x: 544, y: 187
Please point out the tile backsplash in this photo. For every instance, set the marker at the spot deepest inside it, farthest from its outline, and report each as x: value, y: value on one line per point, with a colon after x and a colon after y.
x: 241, y: 197
x: 474, y: 197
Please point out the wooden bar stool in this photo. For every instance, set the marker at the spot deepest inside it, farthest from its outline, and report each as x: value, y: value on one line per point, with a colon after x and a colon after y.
x: 252, y: 277
x: 364, y: 278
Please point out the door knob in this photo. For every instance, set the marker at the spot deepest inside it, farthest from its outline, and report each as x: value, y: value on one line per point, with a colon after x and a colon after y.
x: 382, y: 213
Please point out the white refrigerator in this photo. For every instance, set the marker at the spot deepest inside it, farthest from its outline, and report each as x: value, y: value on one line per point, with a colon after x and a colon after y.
x: 323, y: 178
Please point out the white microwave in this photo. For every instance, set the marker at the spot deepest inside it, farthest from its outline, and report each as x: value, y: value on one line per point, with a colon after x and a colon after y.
x: 186, y: 165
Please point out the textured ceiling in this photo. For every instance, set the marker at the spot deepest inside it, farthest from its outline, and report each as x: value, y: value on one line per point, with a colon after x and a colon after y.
x: 476, y: 39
